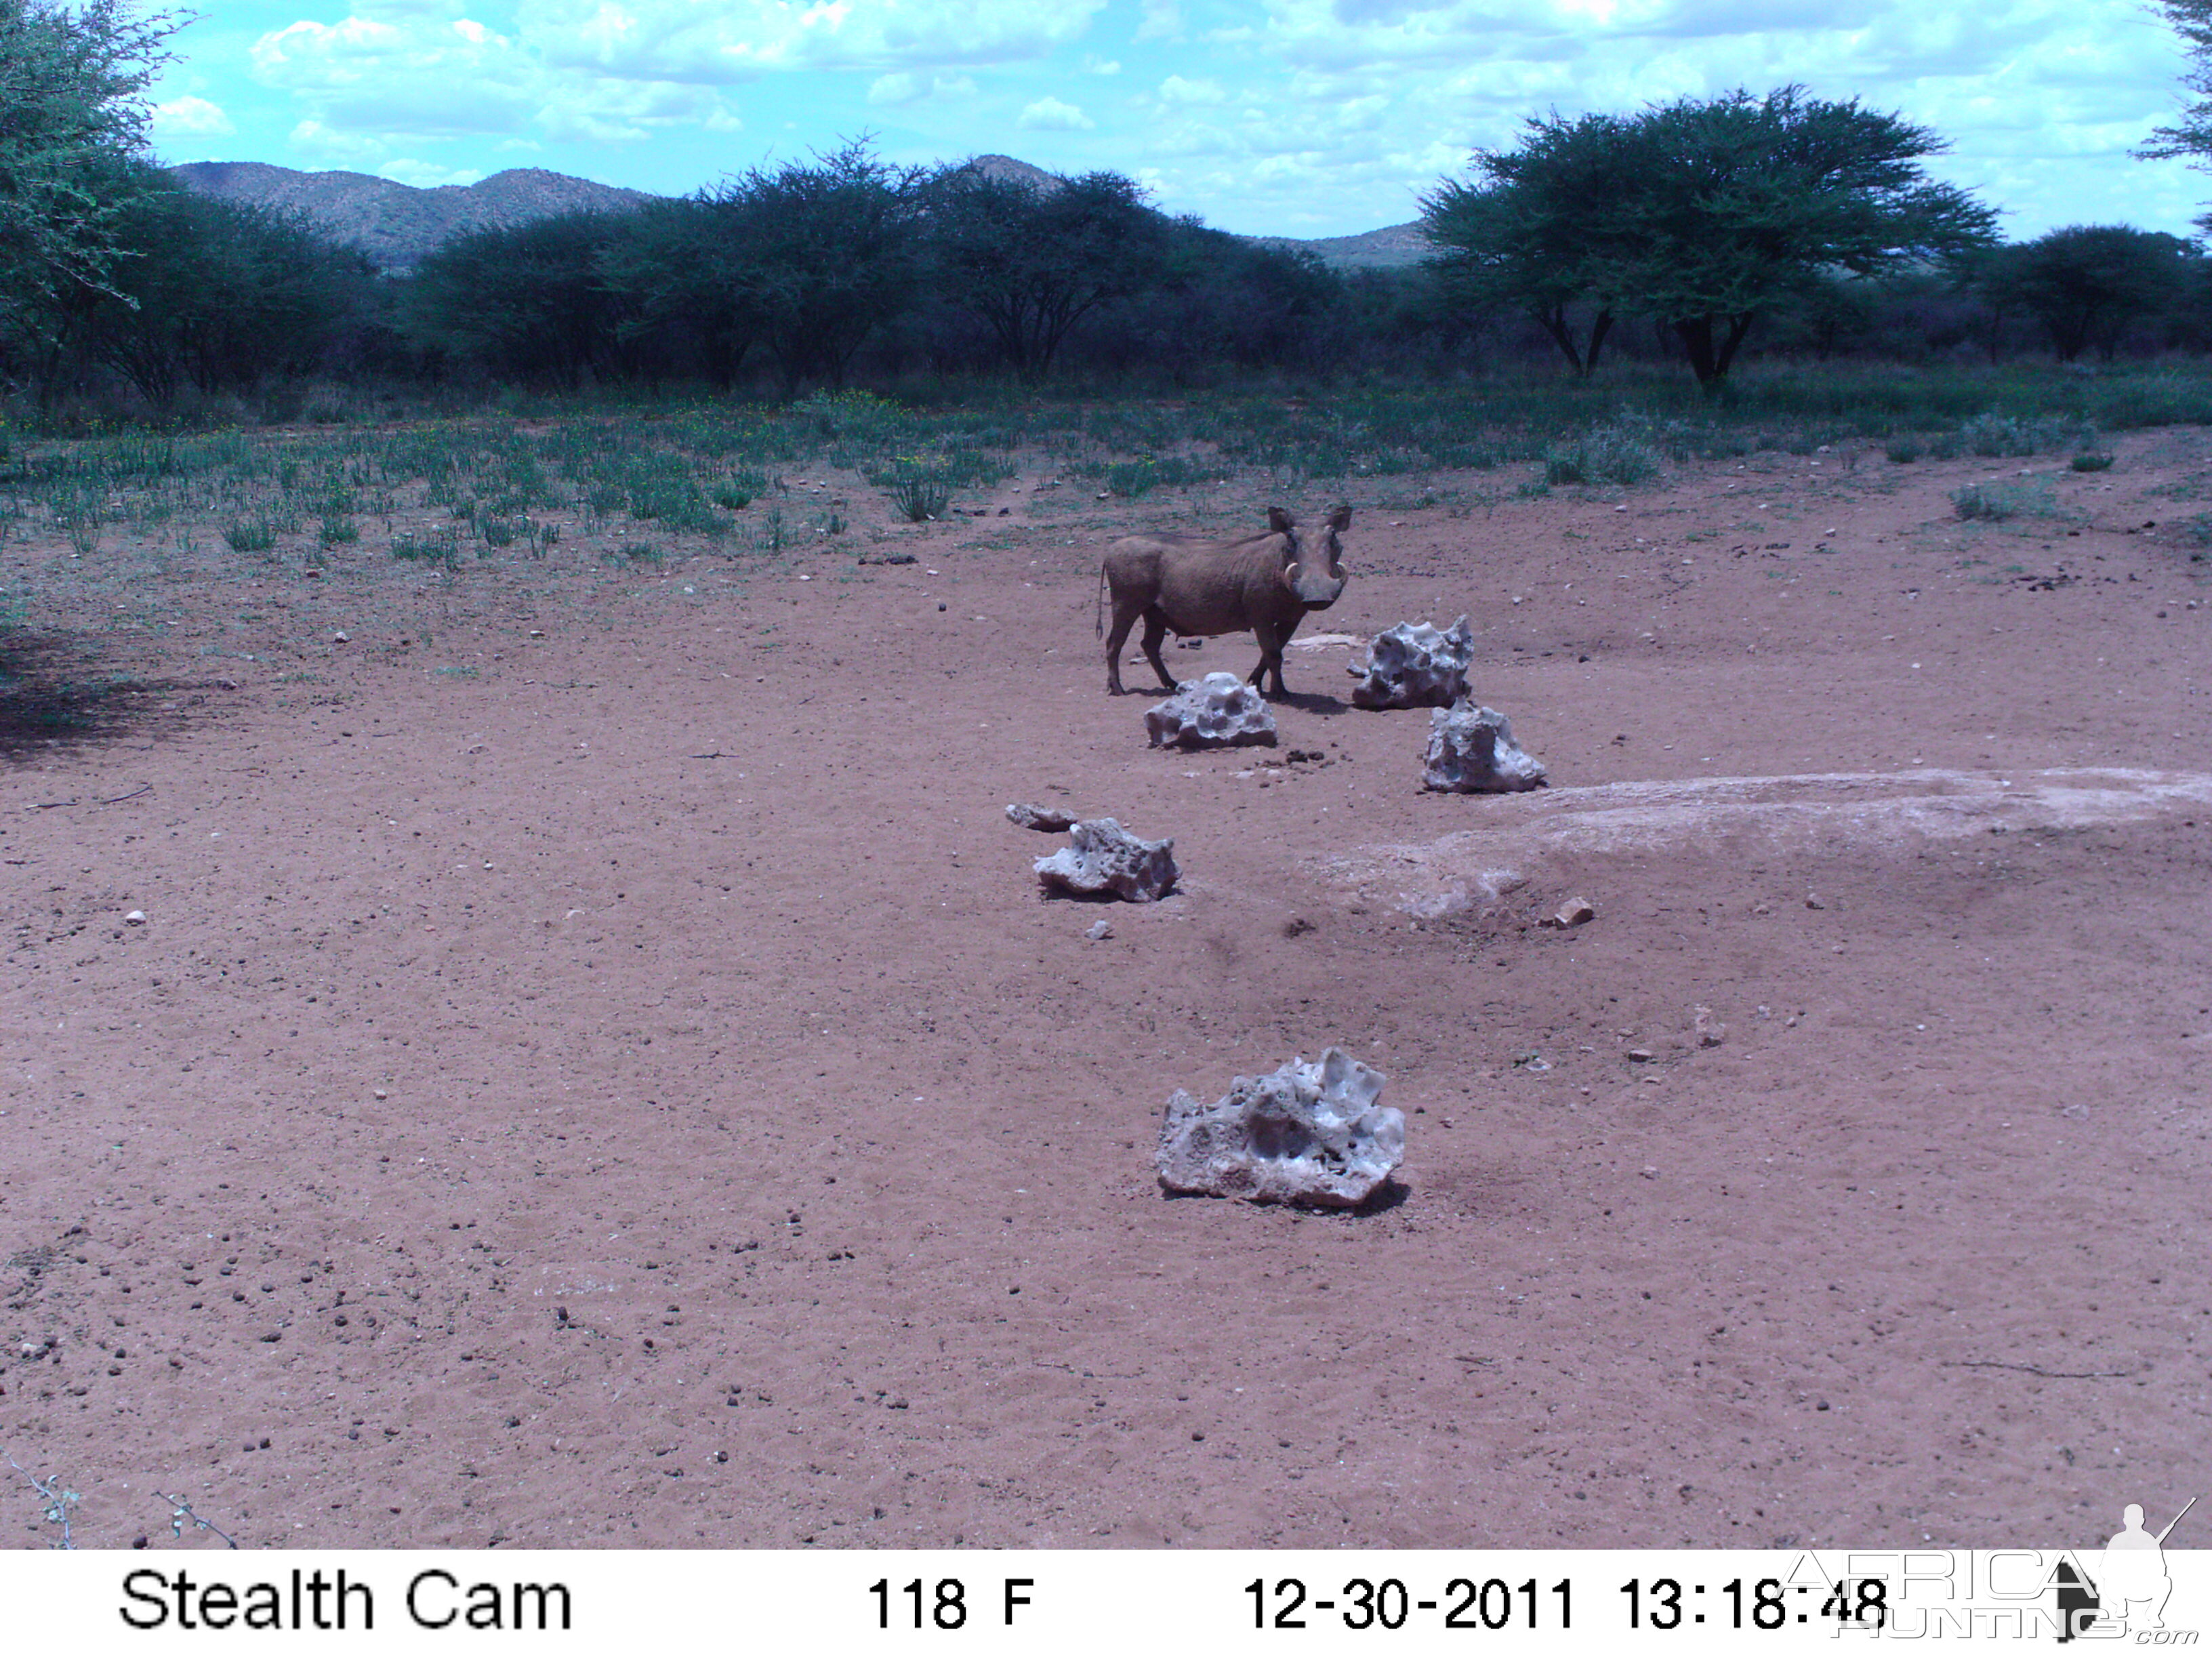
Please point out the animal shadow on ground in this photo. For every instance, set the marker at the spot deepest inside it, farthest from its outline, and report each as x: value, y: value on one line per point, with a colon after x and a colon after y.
x: 1313, y: 703
x: 55, y: 692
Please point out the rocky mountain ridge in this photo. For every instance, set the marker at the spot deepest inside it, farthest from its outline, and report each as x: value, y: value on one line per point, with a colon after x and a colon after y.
x: 397, y: 225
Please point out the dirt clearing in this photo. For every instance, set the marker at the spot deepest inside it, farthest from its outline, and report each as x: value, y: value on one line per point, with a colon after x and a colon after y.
x: 608, y: 1075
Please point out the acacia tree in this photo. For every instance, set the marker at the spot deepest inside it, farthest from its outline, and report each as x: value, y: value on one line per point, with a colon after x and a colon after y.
x: 1521, y: 236
x: 2089, y: 284
x: 1034, y: 259
x: 1704, y: 214
x: 2191, y: 136
x: 527, y: 301
x: 818, y: 258
x: 72, y: 134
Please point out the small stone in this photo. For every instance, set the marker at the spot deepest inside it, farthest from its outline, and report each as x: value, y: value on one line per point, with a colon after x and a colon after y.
x: 2075, y: 1112
x: 1710, y: 1032
x: 1813, y: 904
x: 135, y: 919
x: 1573, y: 913
x: 1641, y: 1054
x: 1414, y: 665
x: 1103, y: 858
x: 1099, y: 930
x: 1472, y: 752
x: 339, y: 639
x: 1050, y: 819
x: 1302, y: 1134
x: 1217, y: 712
x: 380, y: 1095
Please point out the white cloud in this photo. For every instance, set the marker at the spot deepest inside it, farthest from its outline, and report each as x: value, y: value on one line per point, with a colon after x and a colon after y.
x: 1163, y: 21
x: 719, y: 41
x: 1050, y: 115
x: 1176, y: 90
x: 892, y: 91
x: 189, y: 118
x: 426, y: 175
x: 329, y: 144
x: 395, y: 72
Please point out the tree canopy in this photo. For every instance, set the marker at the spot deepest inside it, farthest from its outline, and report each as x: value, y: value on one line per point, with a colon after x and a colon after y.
x: 2088, y: 285
x: 72, y: 140
x: 1033, y: 260
x: 2191, y: 136
x: 1704, y: 214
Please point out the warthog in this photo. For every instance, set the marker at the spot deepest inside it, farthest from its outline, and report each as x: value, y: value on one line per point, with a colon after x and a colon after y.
x: 1196, y: 584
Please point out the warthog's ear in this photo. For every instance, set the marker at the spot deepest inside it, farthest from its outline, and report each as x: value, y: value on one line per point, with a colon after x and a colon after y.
x: 1279, y: 521
x: 1341, y: 518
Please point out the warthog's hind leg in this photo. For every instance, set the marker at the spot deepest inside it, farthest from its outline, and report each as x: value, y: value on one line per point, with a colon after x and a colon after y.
x: 1124, y: 622
x: 1155, y: 630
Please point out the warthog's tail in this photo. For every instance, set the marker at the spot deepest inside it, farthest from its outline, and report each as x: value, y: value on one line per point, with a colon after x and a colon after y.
x: 1098, y: 620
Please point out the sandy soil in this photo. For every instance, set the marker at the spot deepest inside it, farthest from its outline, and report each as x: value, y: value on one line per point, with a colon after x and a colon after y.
x: 610, y: 1076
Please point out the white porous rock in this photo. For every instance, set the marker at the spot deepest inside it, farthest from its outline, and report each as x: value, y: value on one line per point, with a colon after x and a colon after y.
x: 1414, y: 665
x: 1218, y: 711
x: 1102, y: 859
x: 1303, y: 1134
x: 1029, y: 815
x: 1472, y: 752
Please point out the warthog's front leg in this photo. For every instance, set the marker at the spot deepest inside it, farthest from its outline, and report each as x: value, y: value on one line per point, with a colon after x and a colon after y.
x: 1272, y: 641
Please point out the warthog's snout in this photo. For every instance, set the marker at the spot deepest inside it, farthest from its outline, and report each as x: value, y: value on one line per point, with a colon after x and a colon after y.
x: 1316, y: 589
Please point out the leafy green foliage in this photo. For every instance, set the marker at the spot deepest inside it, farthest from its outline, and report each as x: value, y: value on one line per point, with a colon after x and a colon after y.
x: 72, y: 130
x: 527, y: 301
x: 2087, y: 285
x: 1033, y: 260
x: 1704, y: 214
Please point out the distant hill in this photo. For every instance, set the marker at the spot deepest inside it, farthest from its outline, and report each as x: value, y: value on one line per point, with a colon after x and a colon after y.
x: 395, y: 225
x: 1392, y: 246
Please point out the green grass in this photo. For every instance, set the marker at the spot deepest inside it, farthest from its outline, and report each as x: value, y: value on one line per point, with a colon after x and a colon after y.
x: 2031, y: 498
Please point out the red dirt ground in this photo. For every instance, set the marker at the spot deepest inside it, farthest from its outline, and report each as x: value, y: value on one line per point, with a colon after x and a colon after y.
x: 632, y: 1091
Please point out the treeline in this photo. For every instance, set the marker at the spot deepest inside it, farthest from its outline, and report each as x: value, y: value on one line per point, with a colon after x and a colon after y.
x: 846, y: 268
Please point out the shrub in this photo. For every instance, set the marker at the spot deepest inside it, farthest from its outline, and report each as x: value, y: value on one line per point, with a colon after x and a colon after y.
x: 2091, y: 463
x: 920, y: 497
x: 1617, y: 454
x: 253, y: 537
x: 1903, y: 451
x: 2003, y: 501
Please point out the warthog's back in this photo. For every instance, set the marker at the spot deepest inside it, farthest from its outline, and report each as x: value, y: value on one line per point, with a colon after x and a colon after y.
x: 1201, y: 584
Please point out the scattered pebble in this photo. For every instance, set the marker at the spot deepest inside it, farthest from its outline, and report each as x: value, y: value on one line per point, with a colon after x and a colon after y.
x: 1641, y: 1054
x: 1099, y: 930
x: 135, y: 919
x: 338, y: 639
x: 1710, y: 1032
x: 1573, y: 913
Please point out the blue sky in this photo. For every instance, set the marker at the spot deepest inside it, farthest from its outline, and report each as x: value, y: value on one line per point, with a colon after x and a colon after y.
x: 1309, y: 117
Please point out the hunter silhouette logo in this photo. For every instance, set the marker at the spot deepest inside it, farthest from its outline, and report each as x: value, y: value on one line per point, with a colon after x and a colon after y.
x: 2130, y: 1584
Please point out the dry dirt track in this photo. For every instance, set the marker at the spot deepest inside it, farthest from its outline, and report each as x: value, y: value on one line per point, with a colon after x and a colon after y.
x: 637, y: 1095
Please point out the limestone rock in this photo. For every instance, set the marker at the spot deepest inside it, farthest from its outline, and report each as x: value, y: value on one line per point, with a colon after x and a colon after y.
x: 1303, y: 1134
x: 1472, y: 752
x: 1414, y: 665
x: 1218, y: 711
x: 1573, y: 913
x: 1103, y: 860
x: 1051, y: 819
